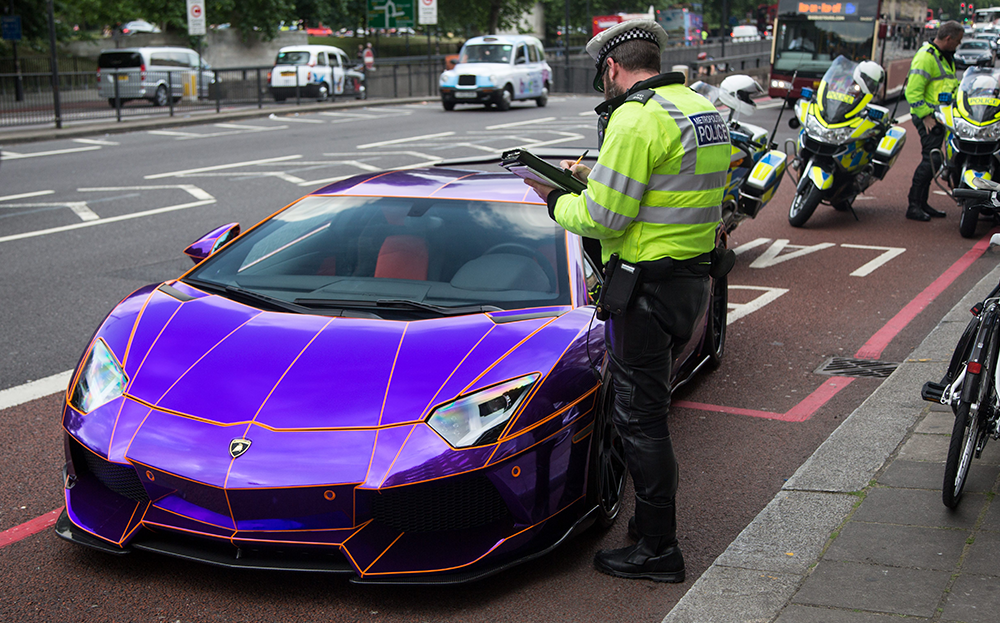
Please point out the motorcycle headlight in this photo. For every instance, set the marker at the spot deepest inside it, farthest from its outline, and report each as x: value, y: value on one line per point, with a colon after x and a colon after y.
x: 967, y: 131
x: 479, y: 418
x: 101, y: 379
x: 834, y: 136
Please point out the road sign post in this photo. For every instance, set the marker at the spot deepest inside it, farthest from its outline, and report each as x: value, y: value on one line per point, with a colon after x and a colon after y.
x: 196, y: 28
x: 427, y: 15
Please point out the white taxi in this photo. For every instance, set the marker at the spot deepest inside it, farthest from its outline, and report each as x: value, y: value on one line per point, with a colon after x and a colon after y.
x: 496, y: 70
x: 318, y: 71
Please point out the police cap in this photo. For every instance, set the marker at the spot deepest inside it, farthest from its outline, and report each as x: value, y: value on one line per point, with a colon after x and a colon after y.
x: 601, y: 45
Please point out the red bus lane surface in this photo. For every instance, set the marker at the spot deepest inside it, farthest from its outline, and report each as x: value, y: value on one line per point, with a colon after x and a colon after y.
x: 859, y: 289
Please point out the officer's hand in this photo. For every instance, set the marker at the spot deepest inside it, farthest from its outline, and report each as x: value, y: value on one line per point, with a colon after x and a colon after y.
x: 579, y: 171
x: 540, y: 189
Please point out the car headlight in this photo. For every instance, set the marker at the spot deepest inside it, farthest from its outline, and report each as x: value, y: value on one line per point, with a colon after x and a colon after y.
x: 833, y: 136
x: 494, y: 80
x: 101, y: 379
x: 967, y: 131
x: 446, y: 78
x: 479, y: 418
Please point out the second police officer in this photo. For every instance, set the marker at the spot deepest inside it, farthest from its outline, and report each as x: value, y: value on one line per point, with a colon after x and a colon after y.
x: 654, y: 201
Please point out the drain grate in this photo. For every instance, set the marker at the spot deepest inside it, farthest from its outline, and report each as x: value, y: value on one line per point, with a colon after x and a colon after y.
x: 843, y: 366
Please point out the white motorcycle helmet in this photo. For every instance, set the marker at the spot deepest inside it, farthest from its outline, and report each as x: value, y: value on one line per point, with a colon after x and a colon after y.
x: 737, y: 93
x: 868, y: 75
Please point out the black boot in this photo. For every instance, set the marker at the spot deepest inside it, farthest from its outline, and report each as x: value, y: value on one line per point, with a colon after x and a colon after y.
x: 933, y: 212
x: 917, y: 214
x: 656, y: 556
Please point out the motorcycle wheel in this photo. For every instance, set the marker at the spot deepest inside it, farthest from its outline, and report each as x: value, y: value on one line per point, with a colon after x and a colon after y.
x: 970, y: 218
x: 804, y: 205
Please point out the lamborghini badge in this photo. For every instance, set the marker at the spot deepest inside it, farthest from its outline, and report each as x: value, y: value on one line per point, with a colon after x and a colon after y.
x: 238, y: 446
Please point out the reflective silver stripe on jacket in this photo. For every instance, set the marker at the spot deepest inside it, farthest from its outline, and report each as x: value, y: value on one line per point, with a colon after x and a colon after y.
x: 605, y: 217
x: 920, y: 72
x: 618, y: 182
x: 689, y: 142
x: 679, y: 216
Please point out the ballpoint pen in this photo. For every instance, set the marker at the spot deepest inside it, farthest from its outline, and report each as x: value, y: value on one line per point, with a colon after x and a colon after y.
x: 582, y: 156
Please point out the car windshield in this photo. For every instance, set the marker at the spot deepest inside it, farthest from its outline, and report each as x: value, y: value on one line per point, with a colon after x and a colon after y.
x: 486, y: 53
x: 974, y: 45
x: 374, y: 252
x: 979, y: 94
x: 292, y: 58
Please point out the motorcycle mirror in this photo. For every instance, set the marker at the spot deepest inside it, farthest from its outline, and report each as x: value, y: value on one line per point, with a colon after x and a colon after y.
x: 793, y: 123
x: 944, y: 98
x: 807, y: 93
x: 995, y: 240
x: 984, y: 184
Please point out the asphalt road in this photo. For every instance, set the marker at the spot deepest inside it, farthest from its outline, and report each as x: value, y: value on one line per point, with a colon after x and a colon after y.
x: 83, y: 223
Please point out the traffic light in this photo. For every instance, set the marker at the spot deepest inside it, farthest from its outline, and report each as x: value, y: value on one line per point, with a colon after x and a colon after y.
x: 971, y: 9
x: 962, y: 9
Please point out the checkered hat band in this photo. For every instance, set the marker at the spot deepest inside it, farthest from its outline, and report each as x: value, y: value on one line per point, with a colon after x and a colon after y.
x: 628, y: 35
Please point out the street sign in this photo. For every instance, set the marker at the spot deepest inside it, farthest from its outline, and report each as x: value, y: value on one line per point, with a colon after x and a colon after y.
x: 10, y: 25
x: 427, y: 12
x: 196, y: 17
x: 390, y: 13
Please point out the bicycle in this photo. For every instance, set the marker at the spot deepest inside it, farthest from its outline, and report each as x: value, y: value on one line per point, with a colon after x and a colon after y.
x: 971, y: 386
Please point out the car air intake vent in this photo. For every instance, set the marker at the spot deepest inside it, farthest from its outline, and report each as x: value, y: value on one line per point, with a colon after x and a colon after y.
x: 466, y: 80
x: 443, y: 505
x: 121, y: 479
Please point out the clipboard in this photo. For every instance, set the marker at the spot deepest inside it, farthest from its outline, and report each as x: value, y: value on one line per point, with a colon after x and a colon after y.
x: 525, y: 164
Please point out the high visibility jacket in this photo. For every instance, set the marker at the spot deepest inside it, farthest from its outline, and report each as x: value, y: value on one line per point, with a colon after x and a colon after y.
x: 930, y: 74
x: 656, y: 190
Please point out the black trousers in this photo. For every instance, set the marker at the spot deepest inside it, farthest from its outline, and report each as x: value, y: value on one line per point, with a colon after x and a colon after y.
x: 931, y: 139
x: 642, y: 344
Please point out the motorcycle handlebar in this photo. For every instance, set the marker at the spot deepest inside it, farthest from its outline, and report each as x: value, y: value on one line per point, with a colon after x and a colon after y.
x: 971, y: 193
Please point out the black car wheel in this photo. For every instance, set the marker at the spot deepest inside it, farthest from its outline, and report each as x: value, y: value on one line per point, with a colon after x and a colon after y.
x: 715, y: 332
x: 448, y: 105
x: 503, y: 102
x: 608, y: 471
x: 160, y: 97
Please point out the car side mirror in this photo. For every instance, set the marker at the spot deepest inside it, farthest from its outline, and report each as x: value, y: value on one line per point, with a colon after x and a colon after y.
x: 212, y: 242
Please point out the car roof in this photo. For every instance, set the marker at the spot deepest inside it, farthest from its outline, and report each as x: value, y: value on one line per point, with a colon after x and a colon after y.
x: 309, y: 48
x: 441, y: 183
x: 147, y: 48
x: 502, y: 39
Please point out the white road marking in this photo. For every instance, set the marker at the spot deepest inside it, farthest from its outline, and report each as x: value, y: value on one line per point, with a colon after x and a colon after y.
x: 222, y: 166
x: 194, y: 191
x: 771, y: 105
x: 771, y: 257
x: 37, y: 193
x: 520, y: 123
x: 753, y: 244
x: 106, y: 221
x: 93, y: 141
x: 12, y: 155
x: 275, y: 117
x: 78, y: 207
x: 869, y: 268
x: 174, y: 133
x: 252, y: 128
x: 904, y: 118
x: 739, y: 310
x: 415, y: 154
x: 405, y: 140
x: 569, y: 136
x: 27, y: 392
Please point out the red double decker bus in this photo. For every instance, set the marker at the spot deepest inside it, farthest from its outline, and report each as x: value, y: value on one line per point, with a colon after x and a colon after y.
x: 809, y: 35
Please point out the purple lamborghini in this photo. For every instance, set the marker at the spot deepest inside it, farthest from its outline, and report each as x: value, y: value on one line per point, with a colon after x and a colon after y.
x: 397, y: 377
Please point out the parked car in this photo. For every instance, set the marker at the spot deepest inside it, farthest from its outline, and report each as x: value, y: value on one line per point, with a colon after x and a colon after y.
x: 314, y: 71
x: 745, y: 33
x: 398, y: 377
x: 496, y: 70
x: 973, y: 53
x: 988, y: 37
x: 319, y: 31
x: 139, y: 26
x: 151, y: 73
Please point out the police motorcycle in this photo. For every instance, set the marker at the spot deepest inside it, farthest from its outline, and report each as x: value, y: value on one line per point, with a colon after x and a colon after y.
x: 972, y: 142
x: 756, y: 167
x: 846, y: 143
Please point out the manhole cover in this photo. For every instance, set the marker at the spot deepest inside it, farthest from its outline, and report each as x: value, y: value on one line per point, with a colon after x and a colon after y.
x: 843, y: 366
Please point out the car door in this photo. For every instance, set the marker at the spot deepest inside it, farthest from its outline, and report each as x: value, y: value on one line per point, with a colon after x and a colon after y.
x: 522, y: 72
x: 337, y: 62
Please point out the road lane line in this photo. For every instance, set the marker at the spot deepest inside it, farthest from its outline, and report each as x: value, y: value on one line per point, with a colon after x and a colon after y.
x: 870, y: 267
x: 37, y: 193
x: 799, y: 413
x: 106, y: 221
x: 191, y: 189
x: 34, y: 526
x: 34, y: 389
x: 275, y: 117
x: 11, y: 155
x: 520, y: 123
x: 873, y: 348
x: 93, y: 141
x: 219, y: 167
x: 397, y: 141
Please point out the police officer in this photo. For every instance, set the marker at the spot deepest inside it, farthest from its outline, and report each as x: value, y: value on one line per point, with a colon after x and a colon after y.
x: 932, y: 72
x: 654, y: 201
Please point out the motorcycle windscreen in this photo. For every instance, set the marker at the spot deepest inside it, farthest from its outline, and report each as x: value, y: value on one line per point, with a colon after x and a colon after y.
x: 979, y: 95
x: 839, y: 96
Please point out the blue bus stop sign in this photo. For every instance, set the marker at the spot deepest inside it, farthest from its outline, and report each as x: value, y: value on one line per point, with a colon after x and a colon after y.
x: 10, y: 27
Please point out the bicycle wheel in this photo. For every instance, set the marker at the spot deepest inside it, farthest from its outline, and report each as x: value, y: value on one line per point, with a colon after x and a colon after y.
x: 964, y: 435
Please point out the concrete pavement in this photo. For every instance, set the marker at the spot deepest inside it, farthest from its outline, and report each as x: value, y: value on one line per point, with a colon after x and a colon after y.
x: 859, y: 533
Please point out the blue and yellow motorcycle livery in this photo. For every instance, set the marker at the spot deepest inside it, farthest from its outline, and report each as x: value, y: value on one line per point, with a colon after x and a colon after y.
x: 972, y: 121
x: 846, y: 142
x: 756, y: 167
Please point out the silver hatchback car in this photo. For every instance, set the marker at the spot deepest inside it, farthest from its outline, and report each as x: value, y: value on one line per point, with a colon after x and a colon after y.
x: 152, y: 73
